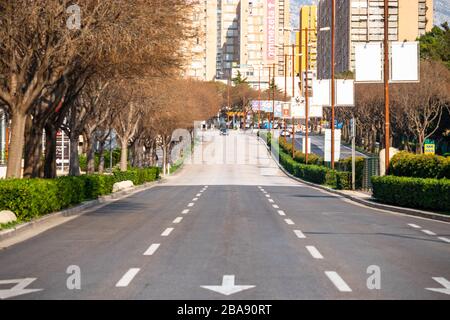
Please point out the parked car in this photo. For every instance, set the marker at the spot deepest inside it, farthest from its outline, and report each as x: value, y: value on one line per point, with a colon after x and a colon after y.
x: 223, y: 131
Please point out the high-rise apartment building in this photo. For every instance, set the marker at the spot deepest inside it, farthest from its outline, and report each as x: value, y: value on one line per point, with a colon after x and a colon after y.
x: 240, y: 35
x: 361, y: 21
x: 308, y: 25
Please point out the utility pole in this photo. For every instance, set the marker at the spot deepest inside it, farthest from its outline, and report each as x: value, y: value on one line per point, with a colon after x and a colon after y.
x: 285, y: 89
x: 273, y: 100
x: 259, y: 99
x: 268, y: 92
x: 386, y: 84
x: 293, y: 96
x: 353, y: 153
x: 306, y: 97
x: 333, y: 84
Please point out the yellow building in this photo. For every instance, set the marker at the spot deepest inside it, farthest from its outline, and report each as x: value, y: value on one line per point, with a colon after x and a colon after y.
x: 308, y: 21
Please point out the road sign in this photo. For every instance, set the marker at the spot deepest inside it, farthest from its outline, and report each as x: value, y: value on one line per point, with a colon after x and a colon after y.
x: 430, y: 148
x: 286, y: 111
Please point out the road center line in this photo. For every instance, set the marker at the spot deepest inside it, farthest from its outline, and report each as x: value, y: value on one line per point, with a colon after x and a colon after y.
x: 314, y: 252
x: 338, y: 281
x: 178, y: 220
x: 151, y: 250
x: 299, y: 234
x: 185, y: 211
x: 127, y: 277
x: 167, y: 232
x: 431, y: 233
x: 415, y: 226
x: 281, y: 213
x: 289, y: 221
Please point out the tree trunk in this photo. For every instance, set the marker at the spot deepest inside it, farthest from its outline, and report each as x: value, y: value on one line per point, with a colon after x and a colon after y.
x: 101, y: 149
x: 50, y: 152
x: 74, y: 163
x: 90, y: 155
x: 33, y: 149
x: 15, y: 151
x: 124, y: 155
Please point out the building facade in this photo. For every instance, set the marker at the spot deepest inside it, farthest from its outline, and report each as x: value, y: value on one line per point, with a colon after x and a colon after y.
x: 361, y: 21
x: 240, y: 35
x: 308, y: 26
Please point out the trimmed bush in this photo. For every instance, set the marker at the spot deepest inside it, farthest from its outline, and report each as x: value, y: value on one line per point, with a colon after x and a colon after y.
x: 31, y: 198
x: 405, y: 164
x: 413, y: 192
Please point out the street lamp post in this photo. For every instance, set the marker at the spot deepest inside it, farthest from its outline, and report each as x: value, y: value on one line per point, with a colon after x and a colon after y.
x: 386, y: 84
x: 333, y: 85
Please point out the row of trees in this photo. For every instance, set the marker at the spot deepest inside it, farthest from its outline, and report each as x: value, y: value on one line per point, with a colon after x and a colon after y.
x: 92, y: 68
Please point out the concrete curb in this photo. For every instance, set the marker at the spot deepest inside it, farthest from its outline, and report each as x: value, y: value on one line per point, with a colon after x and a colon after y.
x: 369, y: 203
x: 77, y: 210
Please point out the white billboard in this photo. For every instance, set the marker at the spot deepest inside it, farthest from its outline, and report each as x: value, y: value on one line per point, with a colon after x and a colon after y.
x: 345, y: 93
x: 405, y: 62
x: 321, y: 93
x: 368, y: 62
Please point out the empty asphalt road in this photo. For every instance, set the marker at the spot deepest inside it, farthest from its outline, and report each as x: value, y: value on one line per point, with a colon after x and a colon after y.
x: 232, y: 226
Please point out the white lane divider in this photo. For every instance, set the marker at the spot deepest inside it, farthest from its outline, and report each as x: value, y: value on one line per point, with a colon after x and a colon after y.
x: 191, y: 204
x: 430, y: 233
x: 267, y: 195
x: 338, y: 281
x: 281, y: 213
x: 167, y: 232
x: 198, y: 194
x: 271, y: 201
x: 444, y: 239
x: 275, y: 206
x: 152, y: 249
x: 299, y: 234
x: 314, y: 252
x: 127, y: 277
x: 178, y: 220
x: 185, y: 211
x: 415, y: 226
x: 195, y: 199
x: 289, y: 221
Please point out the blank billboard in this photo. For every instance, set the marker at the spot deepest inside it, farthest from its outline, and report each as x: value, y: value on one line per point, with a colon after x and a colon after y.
x: 405, y: 62
x: 321, y: 93
x: 368, y: 65
x: 345, y: 93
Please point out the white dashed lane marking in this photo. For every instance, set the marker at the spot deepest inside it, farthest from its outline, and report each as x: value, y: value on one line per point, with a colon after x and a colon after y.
x: 198, y: 194
x: 195, y: 199
x: 289, y: 221
x: 275, y: 206
x: 415, y: 226
x: 167, y: 232
x: 338, y: 281
x: 314, y: 252
x: 267, y: 195
x: 281, y: 213
x: 185, y: 211
x: 299, y: 234
x: 430, y: 233
x: 444, y: 239
x: 271, y: 201
x: 127, y: 277
x: 191, y: 204
x: 178, y: 220
x: 151, y: 250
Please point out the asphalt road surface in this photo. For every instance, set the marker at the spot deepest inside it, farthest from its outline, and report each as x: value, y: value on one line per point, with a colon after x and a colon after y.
x: 232, y: 226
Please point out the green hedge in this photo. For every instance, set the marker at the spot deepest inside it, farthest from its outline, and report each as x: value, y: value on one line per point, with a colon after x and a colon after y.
x: 31, y: 198
x: 413, y: 192
x: 315, y: 173
x: 405, y: 164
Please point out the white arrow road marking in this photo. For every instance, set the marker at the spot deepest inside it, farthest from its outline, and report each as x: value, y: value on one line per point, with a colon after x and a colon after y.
x: 18, y: 289
x: 338, y: 281
x: 228, y: 287
x: 444, y: 282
